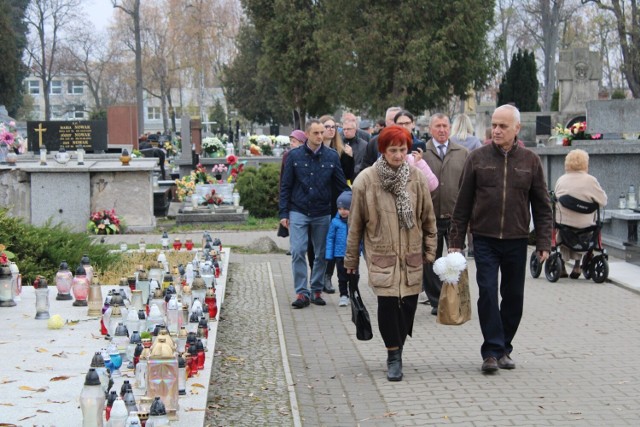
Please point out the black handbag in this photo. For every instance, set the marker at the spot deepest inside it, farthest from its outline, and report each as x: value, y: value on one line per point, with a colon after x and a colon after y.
x: 359, y: 313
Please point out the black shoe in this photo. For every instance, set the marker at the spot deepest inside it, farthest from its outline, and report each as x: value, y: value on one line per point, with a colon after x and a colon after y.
x: 490, y: 364
x: 434, y: 311
x: 317, y: 299
x: 394, y: 365
x: 301, y: 302
x: 328, y: 287
x: 506, y: 362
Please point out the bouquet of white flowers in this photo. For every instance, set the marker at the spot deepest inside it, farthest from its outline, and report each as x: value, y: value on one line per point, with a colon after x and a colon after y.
x: 448, y: 268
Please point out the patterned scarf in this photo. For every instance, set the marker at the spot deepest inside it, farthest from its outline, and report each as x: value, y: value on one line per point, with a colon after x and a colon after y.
x: 395, y: 182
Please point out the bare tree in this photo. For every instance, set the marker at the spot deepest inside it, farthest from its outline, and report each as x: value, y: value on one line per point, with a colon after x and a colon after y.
x: 48, y: 18
x: 88, y: 53
x: 627, y: 18
x: 132, y: 8
x: 543, y: 21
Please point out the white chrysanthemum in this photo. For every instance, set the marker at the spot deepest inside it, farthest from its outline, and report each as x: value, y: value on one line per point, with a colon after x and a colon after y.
x: 449, y: 268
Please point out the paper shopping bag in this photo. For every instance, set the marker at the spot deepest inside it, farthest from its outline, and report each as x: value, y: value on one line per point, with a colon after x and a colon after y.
x: 454, y: 307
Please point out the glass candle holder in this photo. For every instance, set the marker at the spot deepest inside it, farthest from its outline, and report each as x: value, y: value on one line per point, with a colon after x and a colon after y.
x: 6, y: 288
x: 95, y: 301
x: 64, y: 279
x: 92, y: 400
x: 41, y: 289
x: 43, y: 157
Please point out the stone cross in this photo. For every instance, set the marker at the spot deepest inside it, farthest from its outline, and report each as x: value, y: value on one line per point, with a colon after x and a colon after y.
x: 579, y: 71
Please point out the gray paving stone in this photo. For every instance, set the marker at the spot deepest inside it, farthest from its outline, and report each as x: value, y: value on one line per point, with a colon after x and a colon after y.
x: 574, y: 352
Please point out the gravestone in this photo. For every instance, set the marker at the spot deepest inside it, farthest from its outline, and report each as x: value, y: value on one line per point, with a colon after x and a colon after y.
x: 88, y: 134
x: 613, y: 116
x: 579, y: 72
x: 122, y: 125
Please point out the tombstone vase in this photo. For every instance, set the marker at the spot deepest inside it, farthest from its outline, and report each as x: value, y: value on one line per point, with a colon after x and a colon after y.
x: 4, y: 150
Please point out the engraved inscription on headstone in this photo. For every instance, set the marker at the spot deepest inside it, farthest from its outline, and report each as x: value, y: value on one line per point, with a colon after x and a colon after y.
x: 88, y: 134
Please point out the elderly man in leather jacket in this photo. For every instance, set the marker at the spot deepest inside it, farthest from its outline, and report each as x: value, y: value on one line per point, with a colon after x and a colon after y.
x: 499, y: 183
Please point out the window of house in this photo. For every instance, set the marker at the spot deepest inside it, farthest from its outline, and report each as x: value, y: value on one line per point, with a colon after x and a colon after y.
x: 75, y: 87
x: 77, y: 112
x: 153, y: 113
x: 56, y: 87
x: 34, y: 87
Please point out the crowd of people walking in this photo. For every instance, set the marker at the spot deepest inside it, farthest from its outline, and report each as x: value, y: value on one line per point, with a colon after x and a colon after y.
x: 398, y: 201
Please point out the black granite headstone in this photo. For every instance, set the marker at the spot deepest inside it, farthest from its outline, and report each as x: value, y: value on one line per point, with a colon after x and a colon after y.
x: 88, y: 134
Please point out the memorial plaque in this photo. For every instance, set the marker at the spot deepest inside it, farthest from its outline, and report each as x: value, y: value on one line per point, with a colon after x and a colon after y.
x: 88, y: 134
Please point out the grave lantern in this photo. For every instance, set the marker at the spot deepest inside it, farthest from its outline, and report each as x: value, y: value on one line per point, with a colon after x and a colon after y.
x: 165, y: 241
x: 95, y: 298
x: 16, y: 280
x: 41, y: 288
x: 92, y: 399
x: 6, y: 290
x: 163, y: 374
x: 80, y: 155
x: 199, y: 288
x: 177, y: 244
x: 86, y: 263
x: 80, y: 287
x: 64, y: 279
x: 158, y: 413
x: 142, y: 245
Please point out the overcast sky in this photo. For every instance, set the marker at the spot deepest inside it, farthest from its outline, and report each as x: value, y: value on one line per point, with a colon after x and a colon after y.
x: 100, y: 12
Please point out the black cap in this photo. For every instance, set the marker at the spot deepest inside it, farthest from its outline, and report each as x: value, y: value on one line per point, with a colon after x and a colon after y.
x: 157, y: 408
x: 97, y: 361
x: 80, y: 271
x: 92, y: 377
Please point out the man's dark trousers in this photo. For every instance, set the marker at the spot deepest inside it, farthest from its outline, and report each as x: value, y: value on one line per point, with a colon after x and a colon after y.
x: 499, y: 322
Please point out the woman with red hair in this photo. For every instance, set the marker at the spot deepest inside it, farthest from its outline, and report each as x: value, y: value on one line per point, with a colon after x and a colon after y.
x: 391, y: 211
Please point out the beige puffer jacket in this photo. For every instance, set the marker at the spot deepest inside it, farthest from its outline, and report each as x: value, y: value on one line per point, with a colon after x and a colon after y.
x: 394, y: 256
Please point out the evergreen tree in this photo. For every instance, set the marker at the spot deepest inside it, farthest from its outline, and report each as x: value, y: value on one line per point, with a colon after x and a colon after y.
x: 366, y: 55
x: 12, y: 43
x: 520, y: 83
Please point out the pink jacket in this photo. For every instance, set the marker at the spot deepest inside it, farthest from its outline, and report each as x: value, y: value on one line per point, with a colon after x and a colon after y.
x: 423, y: 167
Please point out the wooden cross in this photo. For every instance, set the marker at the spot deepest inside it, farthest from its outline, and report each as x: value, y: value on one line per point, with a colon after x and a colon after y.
x: 40, y: 130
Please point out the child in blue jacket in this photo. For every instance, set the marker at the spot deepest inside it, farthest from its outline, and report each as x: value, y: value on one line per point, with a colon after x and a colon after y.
x: 337, y: 244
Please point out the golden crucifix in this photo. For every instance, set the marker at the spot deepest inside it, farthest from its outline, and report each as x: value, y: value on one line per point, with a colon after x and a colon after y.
x: 40, y: 130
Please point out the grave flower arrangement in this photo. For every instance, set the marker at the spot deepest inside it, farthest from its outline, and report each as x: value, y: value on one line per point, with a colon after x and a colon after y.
x: 576, y: 131
x: 266, y: 144
x: 104, y: 222
x: 235, y: 168
x: 187, y: 184
x: 213, y: 199
x: 9, y: 136
x: 218, y: 170
x: 170, y: 148
x: 212, y: 145
x: 283, y: 141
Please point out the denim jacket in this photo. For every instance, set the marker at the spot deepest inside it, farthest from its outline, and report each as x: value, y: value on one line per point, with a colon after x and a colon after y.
x: 308, y: 179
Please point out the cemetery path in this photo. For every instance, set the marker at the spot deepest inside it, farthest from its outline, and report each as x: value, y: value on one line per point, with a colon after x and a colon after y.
x: 573, y: 353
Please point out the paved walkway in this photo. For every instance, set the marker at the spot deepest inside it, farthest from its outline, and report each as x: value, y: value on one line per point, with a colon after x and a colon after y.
x: 576, y: 354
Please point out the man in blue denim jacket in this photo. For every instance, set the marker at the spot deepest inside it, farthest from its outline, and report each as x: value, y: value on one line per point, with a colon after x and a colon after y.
x: 310, y: 173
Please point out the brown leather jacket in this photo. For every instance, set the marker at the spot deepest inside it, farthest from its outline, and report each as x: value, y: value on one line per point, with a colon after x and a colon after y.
x: 496, y: 192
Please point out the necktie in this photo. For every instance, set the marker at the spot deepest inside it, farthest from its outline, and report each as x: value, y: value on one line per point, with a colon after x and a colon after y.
x: 441, y: 151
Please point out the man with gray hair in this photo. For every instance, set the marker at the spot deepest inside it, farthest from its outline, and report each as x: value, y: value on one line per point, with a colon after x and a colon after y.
x: 372, y: 153
x: 500, y: 182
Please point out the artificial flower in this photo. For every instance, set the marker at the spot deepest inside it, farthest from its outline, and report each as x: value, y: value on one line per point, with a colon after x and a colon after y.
x: 448, y: 268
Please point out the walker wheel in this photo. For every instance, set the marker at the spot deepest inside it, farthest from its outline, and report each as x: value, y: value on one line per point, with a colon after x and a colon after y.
x: 599, y: 269
x: 535, y: 266
x: 553, y: 267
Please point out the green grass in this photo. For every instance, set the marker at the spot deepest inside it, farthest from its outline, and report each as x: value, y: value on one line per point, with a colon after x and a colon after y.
x: 252, y: 224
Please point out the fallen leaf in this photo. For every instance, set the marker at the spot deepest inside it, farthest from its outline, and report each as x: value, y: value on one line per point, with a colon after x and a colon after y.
x: 72, y: 322
x: 389, y: 414
x: 42, y: 350
x: 6, y: 404
x: 7, y: 425
x: 197, y: 385
x: 42, y: 411
x: 60, y: 378
x: 26, y: 418
x: 57, y: 401
x: 193, y: 410
x: 62, y: 354
x: 7, y: 381
x: 37, y: 390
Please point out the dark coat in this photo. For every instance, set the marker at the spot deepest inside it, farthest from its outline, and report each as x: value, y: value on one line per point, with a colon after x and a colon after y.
x: 308, y: 179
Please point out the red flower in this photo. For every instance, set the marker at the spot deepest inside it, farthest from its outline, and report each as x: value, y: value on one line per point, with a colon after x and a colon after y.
x: 231, y: 159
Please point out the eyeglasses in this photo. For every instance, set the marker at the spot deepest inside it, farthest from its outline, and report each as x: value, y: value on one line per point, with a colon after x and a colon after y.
x: 348, y: 129
x: 329, y: 127
x: 404, y: 123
